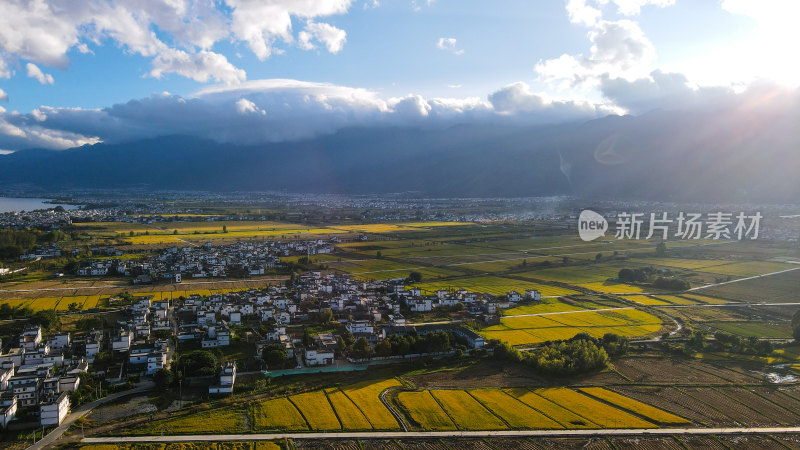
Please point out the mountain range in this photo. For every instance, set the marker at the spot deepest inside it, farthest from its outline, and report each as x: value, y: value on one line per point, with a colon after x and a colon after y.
x: 662, y: 155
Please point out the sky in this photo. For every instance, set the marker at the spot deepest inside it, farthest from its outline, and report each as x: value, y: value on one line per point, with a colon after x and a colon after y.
x: 76, y: 72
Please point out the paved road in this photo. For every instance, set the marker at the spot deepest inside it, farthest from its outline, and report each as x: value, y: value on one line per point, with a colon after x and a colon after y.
x: 443, y: 434
x: 86, y: 409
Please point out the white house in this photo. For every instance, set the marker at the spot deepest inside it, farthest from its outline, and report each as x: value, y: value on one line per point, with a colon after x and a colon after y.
x: 53, y: 411
x: 227, y: 378
x: 533, y: 294
x: 155, y: 362
x: 318, y: 357
x: 8, y: 407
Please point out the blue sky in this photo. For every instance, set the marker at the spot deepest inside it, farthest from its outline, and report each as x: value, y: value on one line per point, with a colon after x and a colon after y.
x: 543, y: 60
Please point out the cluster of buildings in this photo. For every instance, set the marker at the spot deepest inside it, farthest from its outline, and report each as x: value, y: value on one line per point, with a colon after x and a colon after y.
x: 37, y: 374
x: 369, y: 310
x: 173, y: 264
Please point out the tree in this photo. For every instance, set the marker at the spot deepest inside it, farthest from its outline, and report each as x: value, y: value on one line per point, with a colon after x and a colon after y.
x: 796, y: 325
x: 661, y: 249
x: 325, y: 316
x: 414, y: 277
x: 199, y: 363
x: 163, y: 379
x: 361, y: 349
x: 378, y: 254
x: 224, y: 228
x: 275, y: 356
x: 46, y: 318
x: 598, y: 257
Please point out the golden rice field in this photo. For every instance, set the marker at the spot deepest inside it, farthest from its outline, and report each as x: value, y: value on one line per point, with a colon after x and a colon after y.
x: 565, y: 417
x: 350, y: 416
x: 523, y: 330
x: 520, y: 408
x: 645, y: 300
x: 600, y: 413
x: 223, y: 420
x: 621, y: 401
x: 513, y: 412
x: 278, y: 414
x: 704, y: 299
x: 365, y: 396
x: 466, y: 412
x: 424, y: 410
x: 610, y: 287
x: 316, y: 409
x: 495, y: 286
x: 676, y: 300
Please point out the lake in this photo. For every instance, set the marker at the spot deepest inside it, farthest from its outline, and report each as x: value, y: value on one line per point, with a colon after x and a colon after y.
x: 11, y: 204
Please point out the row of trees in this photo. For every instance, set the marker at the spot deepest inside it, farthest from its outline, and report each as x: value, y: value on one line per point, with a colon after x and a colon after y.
x: 14, y: 242
x: 580, y: 354
x: 648, y: 275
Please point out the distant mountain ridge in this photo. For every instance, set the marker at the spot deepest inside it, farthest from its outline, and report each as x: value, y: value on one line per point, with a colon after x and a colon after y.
x: 661, y: 155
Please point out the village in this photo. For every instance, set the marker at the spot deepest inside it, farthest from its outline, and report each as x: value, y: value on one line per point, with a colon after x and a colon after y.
x: 41, y: 374
x: 241, y: 259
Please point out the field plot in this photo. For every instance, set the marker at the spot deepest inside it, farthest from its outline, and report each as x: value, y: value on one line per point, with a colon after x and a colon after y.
x: 381, y: 269
x: 218, y: 421
x: 682, y: 263
x: 425, y: 411
x: 770, y: 289
x: 514, y: 412
x: 741, y: 413
x: 278, y: 414
x: 601, y: 414
x: 351, y: 417
x: 466, y: 412
x: 673, y: 371
x: 756, y: 329
x: 316, y: 409
x: 611, y: 287
x: 704, y: 299
x: 651, y: 413
x: 676, y: 299
x: 563, y: 416
x: 646, y: 300
x: 778, y: 413
x: 748, y: 269
x: 577, y: 274
x: 495, y: 286
x: 365, y: 396
x: 547, y: 306
x: 522, y: 330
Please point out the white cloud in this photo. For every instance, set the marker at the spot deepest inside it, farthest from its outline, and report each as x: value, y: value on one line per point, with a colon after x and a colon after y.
x: 661, y: 90
x: 259, y: 111
x: 178, y: 34
x: 449, y: 44
x: 201, y: 66
x: 3, y: 96
x: 589, y: 12
x: 245, y: 106
x: 516, y: 99
x: 262, y: 23
x: 580, y: 12
x: 619, y: 49
x: 332, y: 37
x: 35, y: 72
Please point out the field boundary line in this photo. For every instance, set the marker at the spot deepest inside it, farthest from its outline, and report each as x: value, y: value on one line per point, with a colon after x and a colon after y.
x: 446, y: 434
